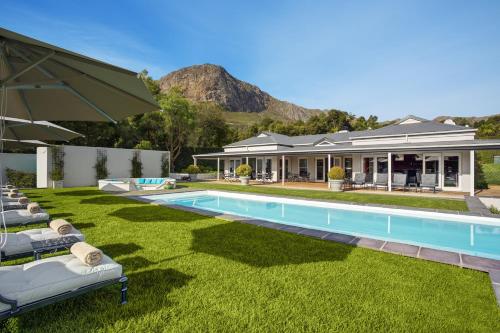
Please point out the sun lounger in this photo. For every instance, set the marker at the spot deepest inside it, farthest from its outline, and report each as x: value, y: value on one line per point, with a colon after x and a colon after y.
x: 19, y: 200
x: 50, y: 280
x: 23, y: 217
x: 13, y: 205
x: 18, y: 244
x: 359, y: 180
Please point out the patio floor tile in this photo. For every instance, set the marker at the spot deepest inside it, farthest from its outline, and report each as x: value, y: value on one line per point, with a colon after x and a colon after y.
x: 314, y: 233
x: 483, y: 264
x: 440, y: 256
x: 341, y: 238
x: 368, y: 243
x: 405, y: 249
x: 495, y: 276
x: 292, y: 229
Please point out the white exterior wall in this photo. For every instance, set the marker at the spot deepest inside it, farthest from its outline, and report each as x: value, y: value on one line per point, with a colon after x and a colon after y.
x: 79, y: 162
x: 19, y: 162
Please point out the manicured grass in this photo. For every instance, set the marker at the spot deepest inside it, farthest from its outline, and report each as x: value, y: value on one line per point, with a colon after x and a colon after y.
x: 492, y: 173
x: 190, y: 273
x: 399, y: 200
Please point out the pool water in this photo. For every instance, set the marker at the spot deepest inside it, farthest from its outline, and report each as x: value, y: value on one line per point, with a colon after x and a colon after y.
x: 435, y: 230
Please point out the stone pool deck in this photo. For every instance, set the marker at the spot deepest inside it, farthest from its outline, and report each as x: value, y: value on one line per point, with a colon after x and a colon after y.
x: 490, y: 266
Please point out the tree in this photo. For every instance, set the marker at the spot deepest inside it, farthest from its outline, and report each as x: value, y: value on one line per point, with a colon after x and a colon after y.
x: 178, y: 121
x: 211, y: 130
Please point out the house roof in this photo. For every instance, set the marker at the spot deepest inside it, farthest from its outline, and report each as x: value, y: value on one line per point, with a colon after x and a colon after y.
x: 420, y: 126
x: 347, y: 147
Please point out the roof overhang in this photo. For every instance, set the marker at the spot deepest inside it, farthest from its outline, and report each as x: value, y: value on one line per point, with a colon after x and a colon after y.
x: 459, y: 145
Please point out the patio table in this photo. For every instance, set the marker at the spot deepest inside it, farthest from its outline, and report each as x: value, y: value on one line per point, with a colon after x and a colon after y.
x: 52, y: 245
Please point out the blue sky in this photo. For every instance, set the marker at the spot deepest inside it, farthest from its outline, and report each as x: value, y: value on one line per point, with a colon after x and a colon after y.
x: 388, y: 58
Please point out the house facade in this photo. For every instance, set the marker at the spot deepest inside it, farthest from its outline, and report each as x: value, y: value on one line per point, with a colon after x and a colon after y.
x: 413, y: 146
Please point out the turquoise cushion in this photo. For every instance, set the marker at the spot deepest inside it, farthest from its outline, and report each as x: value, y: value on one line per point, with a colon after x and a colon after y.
x: 159, y: 180
x: 141, y: 181
x: 148, y: 181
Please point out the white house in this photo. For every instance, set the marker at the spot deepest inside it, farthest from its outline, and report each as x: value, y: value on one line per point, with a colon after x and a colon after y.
x: 413, y: 146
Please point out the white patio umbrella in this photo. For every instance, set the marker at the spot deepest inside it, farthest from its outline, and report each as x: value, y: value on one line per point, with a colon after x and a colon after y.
x: 39, y: 81
x: 23, y: 144
x: 20, y: 129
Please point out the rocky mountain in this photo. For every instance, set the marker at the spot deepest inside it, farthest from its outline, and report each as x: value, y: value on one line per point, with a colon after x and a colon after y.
x: 212, y: 83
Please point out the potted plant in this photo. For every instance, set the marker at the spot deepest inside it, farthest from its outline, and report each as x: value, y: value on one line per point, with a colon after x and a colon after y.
x: 336, y: 178
x: 57, y: 178
x: 193, y: 171
x: 169, y: 185
x: 244, y: 171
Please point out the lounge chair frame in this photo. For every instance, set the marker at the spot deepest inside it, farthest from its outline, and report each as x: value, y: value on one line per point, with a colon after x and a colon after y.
x: 32, y: 253
x: 17, y: 310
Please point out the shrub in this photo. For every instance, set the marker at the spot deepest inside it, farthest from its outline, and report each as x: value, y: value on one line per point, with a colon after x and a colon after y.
x: 57, y: 172
x: 336, y: 173
x: 20, y: 178
x: 193, y: 169
x: 100, y: 166
x: 136, y: 171
x: 244, y: 170
x: 144, y: 145
x: 165, y: 165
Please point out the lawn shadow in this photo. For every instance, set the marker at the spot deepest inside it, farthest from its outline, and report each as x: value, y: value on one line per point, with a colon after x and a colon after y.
x: 109, y: 200
x: 155, y: 213
x: 262, y: 247
x: 134, y: 263
x: 119, y: 249
x: 79, y: 193
x: 147, y: 293
x: 60, y: 215
x: 83, y: 225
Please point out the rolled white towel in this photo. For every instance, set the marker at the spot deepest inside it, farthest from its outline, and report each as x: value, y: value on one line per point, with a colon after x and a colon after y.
x: 12, y: 195
x: 13, y: 190
x: 23, y: 200
x: 33, y: 208
x: 61, y: 226
x: 87, y: 254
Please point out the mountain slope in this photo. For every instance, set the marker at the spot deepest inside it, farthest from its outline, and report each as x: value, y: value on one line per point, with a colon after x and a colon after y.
x: 212, y: 83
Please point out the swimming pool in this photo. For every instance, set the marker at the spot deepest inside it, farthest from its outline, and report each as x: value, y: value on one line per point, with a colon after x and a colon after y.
x: 479, y: 236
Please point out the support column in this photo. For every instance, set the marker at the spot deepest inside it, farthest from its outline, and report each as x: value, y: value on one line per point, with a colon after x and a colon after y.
x: 472, y: 172
x: 194, y: 161
x: 283, y: 170
x: 247, y: 160
x: 329, y: 166
x: 389, y: 171
x: 218, y: 168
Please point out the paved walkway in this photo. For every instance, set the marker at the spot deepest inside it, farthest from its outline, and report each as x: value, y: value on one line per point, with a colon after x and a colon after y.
x: 476, y: 206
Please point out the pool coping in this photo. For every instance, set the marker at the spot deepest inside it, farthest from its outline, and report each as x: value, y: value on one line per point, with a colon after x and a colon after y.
x: 490, y: 266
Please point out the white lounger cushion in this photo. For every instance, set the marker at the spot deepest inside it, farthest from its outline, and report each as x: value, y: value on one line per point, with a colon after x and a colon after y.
x: 17, y: 205
x: 20, y: 242
x: 22, y: 216
x: 7, y: 199
x: 52, y: 276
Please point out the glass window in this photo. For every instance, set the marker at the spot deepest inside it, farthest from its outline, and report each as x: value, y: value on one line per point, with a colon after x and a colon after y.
x: 320, y: 171
x: 451, y: 168
x: 348, y: 167
x: 382, y: 165
x: 269, y: 164
x: 368, y: 168
x: 303, y: 167
x: 432, y: 166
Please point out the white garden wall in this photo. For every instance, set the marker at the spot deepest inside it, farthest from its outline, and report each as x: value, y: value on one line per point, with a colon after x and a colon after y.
x: 79, y: 162
x: 19, y: 162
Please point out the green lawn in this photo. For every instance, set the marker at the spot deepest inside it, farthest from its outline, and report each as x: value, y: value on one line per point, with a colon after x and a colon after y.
x: 190, y: 273
x: 400, y: 200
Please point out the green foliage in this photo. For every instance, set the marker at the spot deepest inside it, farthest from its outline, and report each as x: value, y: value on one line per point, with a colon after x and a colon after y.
x: 136, y: 171
x: 57, y: 172
x: 144, y: 145
x: 165, y: 165
x: 101, y: 169
x: 192, y: 169
x: 491, y: 173
x: 336, y: 173
x: 244, y: 170
x: 494, y: 210
x: 21, y: 178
